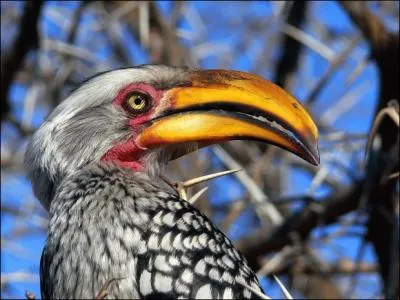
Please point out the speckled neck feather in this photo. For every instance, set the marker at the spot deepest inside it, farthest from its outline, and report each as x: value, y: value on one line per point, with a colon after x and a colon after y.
x: 107, y: 222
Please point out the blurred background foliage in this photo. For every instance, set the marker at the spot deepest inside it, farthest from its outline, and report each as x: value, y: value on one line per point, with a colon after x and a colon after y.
x: 327, y: 232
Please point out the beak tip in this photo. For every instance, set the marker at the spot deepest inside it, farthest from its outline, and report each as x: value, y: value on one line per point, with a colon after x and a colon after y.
x: 314, y: 157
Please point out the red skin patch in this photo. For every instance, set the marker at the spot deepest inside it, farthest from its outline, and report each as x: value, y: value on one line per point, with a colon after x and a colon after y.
x: 128, y: 154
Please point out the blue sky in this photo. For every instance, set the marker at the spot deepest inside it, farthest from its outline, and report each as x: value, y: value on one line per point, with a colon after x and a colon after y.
x: 222, y: 24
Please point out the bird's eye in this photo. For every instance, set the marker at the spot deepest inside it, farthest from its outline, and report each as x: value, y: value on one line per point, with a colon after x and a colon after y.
x: 137, y: 103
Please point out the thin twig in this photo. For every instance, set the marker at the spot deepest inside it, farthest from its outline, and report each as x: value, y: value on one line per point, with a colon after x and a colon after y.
x: 391, y: 111
x: 264, y: 207
x: 283, y: 288
x: 182, y: 187
x: 103, y: 291
x: 68, y: 49
x: 309, y: 41
x: 277, y: 262
x: 196, y: 196
x: 353, y: 279
x: 234, y: 212
x: 19, y: 276
x: 144, y: 23
x: 336, y: 62
x: 253, y: 290
x: 204, y: 178
x: 345, y: 103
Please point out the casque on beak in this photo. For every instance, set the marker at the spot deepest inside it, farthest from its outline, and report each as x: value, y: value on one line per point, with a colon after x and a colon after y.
x: 219, y: 105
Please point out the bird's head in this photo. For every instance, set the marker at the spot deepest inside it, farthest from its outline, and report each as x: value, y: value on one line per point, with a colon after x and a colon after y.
x: 142, y: 117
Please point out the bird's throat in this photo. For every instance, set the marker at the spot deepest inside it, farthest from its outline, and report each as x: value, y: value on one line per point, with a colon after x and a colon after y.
x: 127, y: 155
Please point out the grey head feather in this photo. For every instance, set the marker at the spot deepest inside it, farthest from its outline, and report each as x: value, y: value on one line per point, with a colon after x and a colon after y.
x: 83, y: 127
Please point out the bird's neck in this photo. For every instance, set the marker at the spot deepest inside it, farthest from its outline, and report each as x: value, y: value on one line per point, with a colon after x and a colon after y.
x: 100, y: 217
x: 108, y: 182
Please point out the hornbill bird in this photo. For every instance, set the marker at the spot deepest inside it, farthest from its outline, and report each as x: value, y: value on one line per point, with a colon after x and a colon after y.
x: 95, y: 165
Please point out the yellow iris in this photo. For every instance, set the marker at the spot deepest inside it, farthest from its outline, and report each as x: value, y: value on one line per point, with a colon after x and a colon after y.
x: 137, y: 102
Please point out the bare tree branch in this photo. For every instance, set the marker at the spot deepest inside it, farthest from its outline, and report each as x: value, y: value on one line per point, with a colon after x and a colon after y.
x: 383, y: 221
x: 26, y: 40
x: 325, y: 211
x: 287, y: 64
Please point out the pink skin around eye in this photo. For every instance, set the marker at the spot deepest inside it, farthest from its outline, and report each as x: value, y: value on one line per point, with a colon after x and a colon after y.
x: 128, y: 154
x: 144, y: 88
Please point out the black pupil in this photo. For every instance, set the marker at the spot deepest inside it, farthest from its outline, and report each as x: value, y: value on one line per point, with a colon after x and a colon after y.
x: 138, y: 100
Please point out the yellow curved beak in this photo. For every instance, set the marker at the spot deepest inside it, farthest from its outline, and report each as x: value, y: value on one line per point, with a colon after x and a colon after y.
x: 219, y: 105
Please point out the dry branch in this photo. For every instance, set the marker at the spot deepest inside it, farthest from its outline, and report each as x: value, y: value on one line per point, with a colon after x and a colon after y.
x: 383, y: 222
x: 288, y: 62
x: 26, y: 39
x: 301, y: 224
